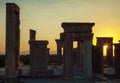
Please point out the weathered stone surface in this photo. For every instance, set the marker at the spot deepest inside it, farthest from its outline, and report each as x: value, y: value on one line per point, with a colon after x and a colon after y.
x: 80, y: 32
x: 117, y: 59
x: 77, y: 27
x: 97, y: 60
x: 12, y: 40
x: 59, y: 51
x: 32, y: 35
x: 39, y: 56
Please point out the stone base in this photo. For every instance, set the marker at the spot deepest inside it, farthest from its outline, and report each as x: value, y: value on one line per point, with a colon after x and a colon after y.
x: 41, y: 72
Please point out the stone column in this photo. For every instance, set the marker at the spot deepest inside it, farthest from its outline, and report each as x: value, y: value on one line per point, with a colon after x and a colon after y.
x: 87, y: 59
x: 77, y: 59
x: 12, y: 40
x: 59, y: 51
x: 97, y: 59
x: 80, y: 58
x: 110, y: 55
x: 32, y: 38
x: 48, y: 53
x: 68, y: 56
x: 32, y: 35
x: 117, y: 59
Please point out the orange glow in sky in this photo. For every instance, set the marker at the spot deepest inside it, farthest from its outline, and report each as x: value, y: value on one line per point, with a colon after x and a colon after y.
x: 46, y: 16
x: 105, y: 50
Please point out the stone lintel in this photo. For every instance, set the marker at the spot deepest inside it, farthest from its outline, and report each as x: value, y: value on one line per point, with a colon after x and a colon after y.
x: 105, y: 38
x: 77, y: 27
x: 117, y: 44
x: 80, y: 36
x: 13, y: 7
x: 40, y: 41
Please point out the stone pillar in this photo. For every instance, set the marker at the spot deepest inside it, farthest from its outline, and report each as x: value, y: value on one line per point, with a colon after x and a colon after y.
x: 68, y: 56
x: 59, y: 51
x: 97, y: 59
x: 110, y: 55
x: 87, y: 59
x: 32, y: 35
x: 80, y: 58
x: 117, y: 59
x: 48, y: 52
x: 77, y: 59
x: 100, y: 53
x: 12, y: 40
x: 31, y: 56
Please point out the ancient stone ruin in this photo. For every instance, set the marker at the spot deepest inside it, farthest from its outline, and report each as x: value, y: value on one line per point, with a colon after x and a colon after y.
x: 39, y: 56
x: 101, y: 41
x: 82, y: 33
x: 12, y: 40
x: 82, y: 61
x: 59, y: 43
x: 97, y: 59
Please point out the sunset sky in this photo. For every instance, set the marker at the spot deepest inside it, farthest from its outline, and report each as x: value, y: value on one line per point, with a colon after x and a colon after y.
x: 46, y: 16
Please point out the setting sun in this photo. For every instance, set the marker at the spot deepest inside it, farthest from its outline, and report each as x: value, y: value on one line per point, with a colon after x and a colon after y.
x: 105, y: 50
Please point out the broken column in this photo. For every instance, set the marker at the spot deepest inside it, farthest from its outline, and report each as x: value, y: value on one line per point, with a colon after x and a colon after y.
x: 39, y: 56
x: 39, y: 53
x: 12, y: 40
x: 32, y: 35
x: 59, y: 51
x: 32, y: 38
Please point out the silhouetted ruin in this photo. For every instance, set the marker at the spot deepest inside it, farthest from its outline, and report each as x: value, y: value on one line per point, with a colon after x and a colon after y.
x: 101, y: 41
x: 59, y: 51
x: 117, y: 59
x: 82, y: 61
x: 82, y: 33
x: 97, y: 60
x: 12, y: 40
x: 39, y: 56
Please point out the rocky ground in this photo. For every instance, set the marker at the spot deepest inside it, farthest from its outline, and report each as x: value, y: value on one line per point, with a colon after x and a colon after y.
x: 98, y: 78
